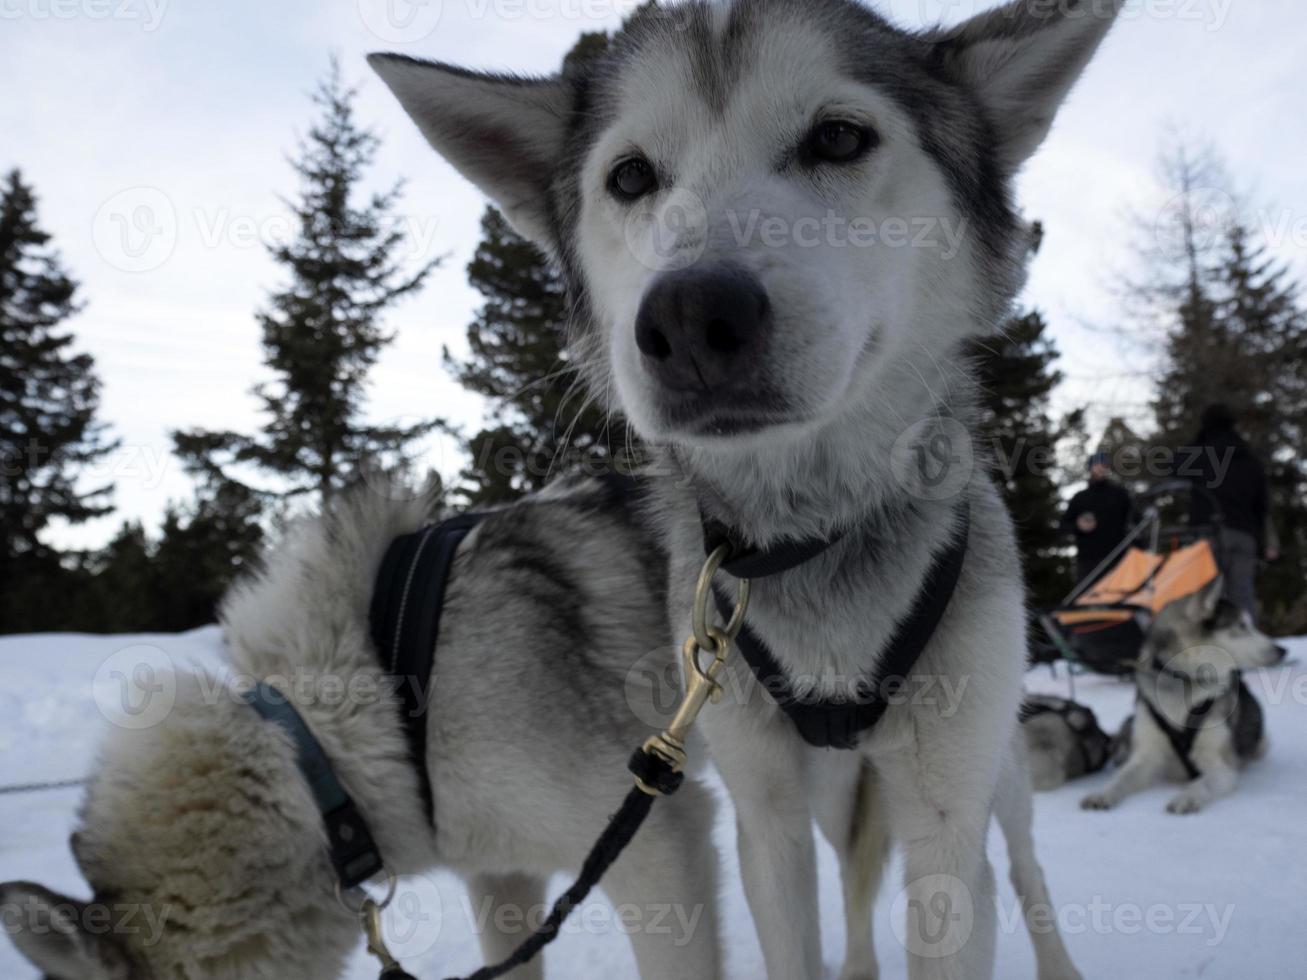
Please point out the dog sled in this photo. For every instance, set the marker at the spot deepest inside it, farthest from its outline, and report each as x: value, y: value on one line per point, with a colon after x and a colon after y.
x: 1101, y: 624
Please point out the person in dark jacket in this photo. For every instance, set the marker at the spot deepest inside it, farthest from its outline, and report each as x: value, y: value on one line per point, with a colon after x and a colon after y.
x: 1099, y: 516
x: 1230, y: 497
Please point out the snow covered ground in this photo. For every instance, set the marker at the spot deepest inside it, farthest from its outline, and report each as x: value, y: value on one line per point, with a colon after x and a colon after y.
x: 1142, y: 894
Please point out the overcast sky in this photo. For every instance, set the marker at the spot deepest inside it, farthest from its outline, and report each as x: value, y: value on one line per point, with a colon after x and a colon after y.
x: 156, y: 134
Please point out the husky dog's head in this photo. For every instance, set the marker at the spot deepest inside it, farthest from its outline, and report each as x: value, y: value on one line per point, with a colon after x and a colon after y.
x: 775, y: 215
x: 204, y: 854
x: 1205, y: 638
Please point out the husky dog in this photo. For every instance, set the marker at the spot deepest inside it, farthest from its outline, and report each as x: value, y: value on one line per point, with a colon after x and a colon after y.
x: 781, y: 221
x: 1063, y: 739
x: 205, y: 822
x: 1195, y: 721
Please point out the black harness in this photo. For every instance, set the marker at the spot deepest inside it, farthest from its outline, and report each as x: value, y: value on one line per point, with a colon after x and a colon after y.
x: 837, y: 723
x: 1182, y: 739
x: 407, y: 600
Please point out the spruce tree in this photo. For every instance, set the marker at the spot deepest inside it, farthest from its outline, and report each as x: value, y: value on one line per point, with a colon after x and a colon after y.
x: 125, y: 591
x: 49, y: 399
x: 322, y: 331
x: 540, y: 421
x: 49, y: 393
x: 518, y: 361
x: 1249, y: 351
x: 1017, y: 374
x: 201, y: 549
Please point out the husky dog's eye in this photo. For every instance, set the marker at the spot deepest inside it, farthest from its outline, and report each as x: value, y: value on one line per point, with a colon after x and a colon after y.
x: 836, y: 141
x: 631, y: 179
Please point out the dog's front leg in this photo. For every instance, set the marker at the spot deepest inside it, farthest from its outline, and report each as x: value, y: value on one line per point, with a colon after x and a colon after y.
x: 764, y: 771
x: 1140, y: 771
x: 508, y: 903
x: 846, y: 802
x: 1216, y: 781
x: 951, y: 923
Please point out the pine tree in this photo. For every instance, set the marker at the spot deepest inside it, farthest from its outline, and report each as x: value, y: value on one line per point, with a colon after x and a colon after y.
x: 540, y: 421
x: 125, y: 591
x: 1238, y: 335
x: 1129, y: 453
x: 1255, y: 356
x: 1017, y: 373
x: 201, y: 549
x: 49, y: 395
x: 322, y: 332
x: 518, y: 361
x: 49, y: 398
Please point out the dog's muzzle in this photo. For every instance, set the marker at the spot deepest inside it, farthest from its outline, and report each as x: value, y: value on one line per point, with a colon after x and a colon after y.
x: 702, y: 328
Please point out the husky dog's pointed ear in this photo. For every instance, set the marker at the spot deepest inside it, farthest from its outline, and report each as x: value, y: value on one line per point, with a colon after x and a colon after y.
x: 503, y: 133
x: 61, y: 936
x: 1204, y: 602
x: 1021, y: 61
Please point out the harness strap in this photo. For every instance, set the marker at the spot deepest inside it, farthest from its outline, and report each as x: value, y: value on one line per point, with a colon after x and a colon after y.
x: 354, y: 854
x: 407, y: 601
x: 838, y: 722
x: 1182, y: 740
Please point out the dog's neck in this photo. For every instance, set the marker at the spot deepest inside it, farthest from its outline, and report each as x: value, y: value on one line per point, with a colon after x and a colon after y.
x: 855, y: 470
x: 1158, y: 681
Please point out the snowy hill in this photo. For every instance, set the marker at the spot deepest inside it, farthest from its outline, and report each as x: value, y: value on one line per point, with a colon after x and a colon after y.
x: 1142, y: 894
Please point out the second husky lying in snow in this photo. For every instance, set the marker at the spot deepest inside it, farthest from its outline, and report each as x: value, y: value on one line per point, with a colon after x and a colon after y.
x: 1195, y: 721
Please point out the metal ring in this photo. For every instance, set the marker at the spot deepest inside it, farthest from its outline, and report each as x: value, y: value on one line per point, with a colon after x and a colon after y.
x: 721, y: 648
x: 358, y: 894
x: 703, y: 590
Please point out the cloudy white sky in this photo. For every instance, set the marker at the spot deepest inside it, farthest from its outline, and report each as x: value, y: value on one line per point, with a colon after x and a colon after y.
x: 156, y: 133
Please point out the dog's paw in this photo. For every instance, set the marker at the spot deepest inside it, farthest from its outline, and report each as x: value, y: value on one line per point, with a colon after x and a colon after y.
x: 860, y: 974
x: 1184, y: 803
x: 1097, y: 801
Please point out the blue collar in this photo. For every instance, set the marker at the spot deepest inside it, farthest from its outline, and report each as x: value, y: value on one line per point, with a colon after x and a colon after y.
x: 354, y: 854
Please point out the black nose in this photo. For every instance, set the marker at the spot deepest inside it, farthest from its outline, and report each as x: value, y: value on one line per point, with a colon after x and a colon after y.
x: 697, y: 327
x: 1281, y: 652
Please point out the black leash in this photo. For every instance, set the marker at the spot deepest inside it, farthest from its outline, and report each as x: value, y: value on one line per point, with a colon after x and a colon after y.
x: 649, y: 769
x: 837, y: 723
